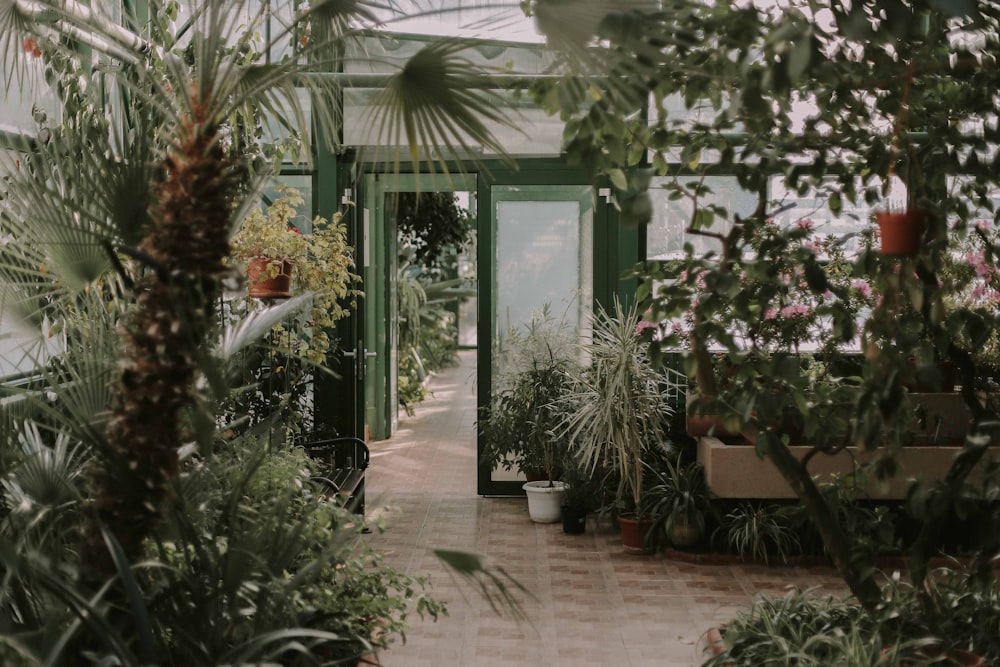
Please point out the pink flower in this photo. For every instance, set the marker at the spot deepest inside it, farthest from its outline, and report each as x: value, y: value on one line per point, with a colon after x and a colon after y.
x: 862, y: 286
x: 806, y: 224
x: 770, y: 314
x: 643, y: 325
x: 983, y: 225
x: 798, y: 310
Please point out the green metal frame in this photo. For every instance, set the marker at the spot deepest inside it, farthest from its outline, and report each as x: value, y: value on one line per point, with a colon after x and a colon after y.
x: 614, y: 250
x: 380, y: 311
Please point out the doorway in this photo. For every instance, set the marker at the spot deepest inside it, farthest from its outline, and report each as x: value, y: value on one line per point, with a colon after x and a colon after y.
x: 391, y: 276
x: 545, y: 236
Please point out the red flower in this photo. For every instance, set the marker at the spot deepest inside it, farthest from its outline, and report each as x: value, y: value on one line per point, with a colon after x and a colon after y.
x: 294, y: 229
x: 31, y: 46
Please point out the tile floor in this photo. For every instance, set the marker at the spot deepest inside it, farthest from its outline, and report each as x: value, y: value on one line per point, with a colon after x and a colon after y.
x: 590, y: 605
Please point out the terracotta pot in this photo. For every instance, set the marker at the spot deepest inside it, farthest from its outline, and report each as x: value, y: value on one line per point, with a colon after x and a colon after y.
x: 715, y: 644
x: 634, y: 533
x: 262, y: 286
x: 901, y: 233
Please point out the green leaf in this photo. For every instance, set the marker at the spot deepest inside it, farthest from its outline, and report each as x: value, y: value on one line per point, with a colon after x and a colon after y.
x: 835, y: 203
x: 799, y: 57
x: 619, y: 180
x: 704, y: 218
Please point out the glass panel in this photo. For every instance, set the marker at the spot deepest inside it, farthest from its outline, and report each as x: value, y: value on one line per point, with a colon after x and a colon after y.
x: 544, y: 250
x: 301, y: 183
x: 811, y: 208
x: 16, y: 105
x: 535, y: 133
x: 666, y: 234
x: 538, y: 257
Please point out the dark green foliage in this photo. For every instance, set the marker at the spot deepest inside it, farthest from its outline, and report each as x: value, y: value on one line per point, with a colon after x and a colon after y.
x: 520, y: 427
x: 432, y: 223
x: 806, y: 629
x: 675, y: 493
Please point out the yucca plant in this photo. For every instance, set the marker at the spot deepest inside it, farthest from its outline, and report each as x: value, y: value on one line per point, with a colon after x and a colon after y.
x: 619, y: 404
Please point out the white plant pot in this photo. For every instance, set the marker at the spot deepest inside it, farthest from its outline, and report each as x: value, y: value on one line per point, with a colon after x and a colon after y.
x: 544, y: 501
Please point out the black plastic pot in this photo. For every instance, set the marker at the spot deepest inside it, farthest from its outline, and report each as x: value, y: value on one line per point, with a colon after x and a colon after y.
x: 574, y: 520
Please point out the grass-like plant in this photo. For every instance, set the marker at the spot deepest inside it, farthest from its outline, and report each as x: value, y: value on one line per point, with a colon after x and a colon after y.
x: 619, y: 403
x: 758, y: 532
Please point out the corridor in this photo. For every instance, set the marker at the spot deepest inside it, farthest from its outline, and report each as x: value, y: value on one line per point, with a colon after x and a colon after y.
x: 591, y: 605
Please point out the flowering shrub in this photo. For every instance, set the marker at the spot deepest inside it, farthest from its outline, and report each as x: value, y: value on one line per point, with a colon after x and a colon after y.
x: 799, y: 292
x: 971, y: 278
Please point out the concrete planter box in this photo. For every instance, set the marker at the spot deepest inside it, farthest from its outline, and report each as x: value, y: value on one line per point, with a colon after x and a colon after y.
x: 735, y: 471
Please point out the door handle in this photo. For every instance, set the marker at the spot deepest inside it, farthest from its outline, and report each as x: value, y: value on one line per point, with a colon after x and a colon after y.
x: 359, y: 359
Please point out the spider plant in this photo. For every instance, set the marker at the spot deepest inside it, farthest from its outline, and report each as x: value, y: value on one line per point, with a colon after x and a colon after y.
x: 758, y: 531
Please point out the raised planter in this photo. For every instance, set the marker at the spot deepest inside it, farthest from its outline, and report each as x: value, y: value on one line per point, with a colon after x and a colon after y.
x: 735, y: 471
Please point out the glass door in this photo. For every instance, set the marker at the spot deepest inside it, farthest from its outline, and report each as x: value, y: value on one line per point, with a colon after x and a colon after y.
x: 540, y: 259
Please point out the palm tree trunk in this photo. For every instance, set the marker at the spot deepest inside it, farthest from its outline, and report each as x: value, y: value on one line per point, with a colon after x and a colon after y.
x: 175, y: 301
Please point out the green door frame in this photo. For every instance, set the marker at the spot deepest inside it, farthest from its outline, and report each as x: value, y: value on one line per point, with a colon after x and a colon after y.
x: 614, y: 250
x: 342, y: 400
x: 380, y: 313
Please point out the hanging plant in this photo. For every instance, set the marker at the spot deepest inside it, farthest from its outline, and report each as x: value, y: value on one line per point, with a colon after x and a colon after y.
x: 901, y: 232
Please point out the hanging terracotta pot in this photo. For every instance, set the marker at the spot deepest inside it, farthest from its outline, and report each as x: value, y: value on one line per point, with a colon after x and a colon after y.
x: 901, y: 233
x: 264, y: 286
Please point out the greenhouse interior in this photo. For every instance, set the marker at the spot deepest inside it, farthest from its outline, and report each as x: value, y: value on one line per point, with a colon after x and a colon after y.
x: 452, y: 332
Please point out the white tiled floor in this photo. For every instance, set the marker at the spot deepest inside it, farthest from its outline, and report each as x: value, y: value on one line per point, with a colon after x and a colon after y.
x: 591, y: 605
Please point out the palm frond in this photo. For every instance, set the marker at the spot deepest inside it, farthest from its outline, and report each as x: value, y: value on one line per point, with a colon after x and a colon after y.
x: 437, y: 106
x: 17, y: 44
x: 257, y: 324
x: 493, y: 583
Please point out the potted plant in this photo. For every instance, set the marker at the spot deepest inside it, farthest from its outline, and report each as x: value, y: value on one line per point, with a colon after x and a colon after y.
x: 620, y: 413
x: 580, y: 496
x: 321, y: 260
x: 678, y: 500
x: 901, y: 232
x: 519, y: 427
x: 277, y: 375
x: 278, y: 253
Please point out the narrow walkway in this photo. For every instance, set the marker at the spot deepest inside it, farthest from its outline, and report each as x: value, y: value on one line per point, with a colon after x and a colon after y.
x: 591, y: 605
